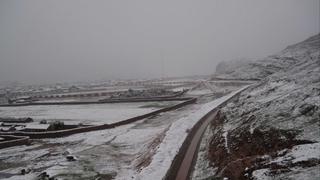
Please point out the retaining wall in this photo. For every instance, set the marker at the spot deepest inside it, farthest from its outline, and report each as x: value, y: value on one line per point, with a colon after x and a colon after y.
x: 13, y: 141
x: 100, y: 102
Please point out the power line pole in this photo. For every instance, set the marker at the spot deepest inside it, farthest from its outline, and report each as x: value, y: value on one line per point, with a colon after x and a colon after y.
x: 162, y: 65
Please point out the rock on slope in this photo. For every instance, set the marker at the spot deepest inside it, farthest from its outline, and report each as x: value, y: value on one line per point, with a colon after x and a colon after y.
x: 272, y: 130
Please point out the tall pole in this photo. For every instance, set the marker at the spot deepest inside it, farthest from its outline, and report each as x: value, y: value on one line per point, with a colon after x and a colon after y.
x: 162, y: 65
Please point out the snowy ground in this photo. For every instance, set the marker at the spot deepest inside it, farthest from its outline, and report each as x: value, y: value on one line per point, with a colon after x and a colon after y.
x: 86, y: 114
x: 141, y: 150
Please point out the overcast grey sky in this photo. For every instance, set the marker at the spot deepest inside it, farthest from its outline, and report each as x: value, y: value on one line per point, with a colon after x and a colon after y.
x: 72, y: 40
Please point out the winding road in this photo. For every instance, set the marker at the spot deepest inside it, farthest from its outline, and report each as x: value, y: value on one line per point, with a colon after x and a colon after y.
x: 184, y: 161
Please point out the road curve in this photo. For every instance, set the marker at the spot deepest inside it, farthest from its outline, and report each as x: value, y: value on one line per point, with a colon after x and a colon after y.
x: 187, y: 162
x: 183, y: 163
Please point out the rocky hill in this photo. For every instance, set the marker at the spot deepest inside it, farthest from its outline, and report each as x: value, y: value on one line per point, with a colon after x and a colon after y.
x: 272, y: 130
x: 289, y: 57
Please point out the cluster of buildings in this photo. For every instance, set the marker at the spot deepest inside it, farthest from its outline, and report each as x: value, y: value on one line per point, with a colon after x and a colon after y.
x: 15, y: 95
x: 145, y: 93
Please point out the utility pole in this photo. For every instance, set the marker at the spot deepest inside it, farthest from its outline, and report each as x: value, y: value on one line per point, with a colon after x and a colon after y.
x: 162, y: 65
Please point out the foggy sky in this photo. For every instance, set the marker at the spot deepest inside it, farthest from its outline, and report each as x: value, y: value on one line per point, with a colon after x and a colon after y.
x: 73, y: 40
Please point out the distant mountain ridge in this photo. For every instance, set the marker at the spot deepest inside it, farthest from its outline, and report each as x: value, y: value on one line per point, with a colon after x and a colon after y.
x: 297, y: 53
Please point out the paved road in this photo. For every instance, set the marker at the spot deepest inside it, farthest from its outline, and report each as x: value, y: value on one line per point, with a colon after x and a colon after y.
x: 187, y: 162
x: 184, y: 161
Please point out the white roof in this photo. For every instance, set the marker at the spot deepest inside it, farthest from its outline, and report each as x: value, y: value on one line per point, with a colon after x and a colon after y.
x: 37, y: 126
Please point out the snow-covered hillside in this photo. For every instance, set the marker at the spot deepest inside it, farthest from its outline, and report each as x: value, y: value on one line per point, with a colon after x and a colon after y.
x: 226, y: 67
x: 298, y: 53
x: 272, y: 130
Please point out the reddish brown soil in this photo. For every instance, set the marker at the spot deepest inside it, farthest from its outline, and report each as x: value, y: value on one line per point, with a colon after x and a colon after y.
x: 245, y: 149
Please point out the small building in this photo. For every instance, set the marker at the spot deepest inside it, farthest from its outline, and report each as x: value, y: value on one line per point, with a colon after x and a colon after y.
x: 16, y: 120
x: 37, y: 127
x: 22, y: 99
x: 73, y: 88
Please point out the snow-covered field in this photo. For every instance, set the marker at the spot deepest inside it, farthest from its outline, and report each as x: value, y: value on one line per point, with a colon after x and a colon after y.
x: 141, y: 150
x: 88, y: 114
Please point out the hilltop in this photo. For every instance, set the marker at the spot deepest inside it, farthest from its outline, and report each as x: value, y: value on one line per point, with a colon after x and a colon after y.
x: 271, y: 131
